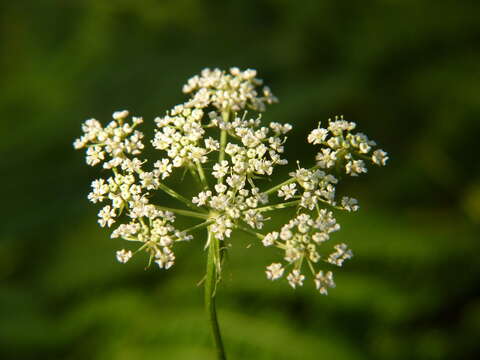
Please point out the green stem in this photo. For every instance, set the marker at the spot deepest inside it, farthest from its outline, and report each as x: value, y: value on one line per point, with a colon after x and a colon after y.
x: 249, y: 231
x: 201, y: 174
x: 191, y: 168
x: 223, y: 141
x: 286, y: 182
x: 183, y: 212
x: 210, y: 292
x: 177, y: 196
x: 278, y: 206
x: 277, y: 187
x: 198, y: 226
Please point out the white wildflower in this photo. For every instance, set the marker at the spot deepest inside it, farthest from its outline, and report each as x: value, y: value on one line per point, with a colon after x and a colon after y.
x: 350, y: 204
x: 326, y: 158
x: 100, y: 189
x: 337, y: 127
x: 380, y: 157
x: 355, y: 167
x: 212, y: 144
x: 236, y: 181
x: 287, y: 191
x: 317, y: 136
x: 341, y: 254
x: 120, y: 115
x: 220, y: 188
x: 149, y: 180
x: 95, y: 155
x: 220, y: 170
x: 164, y: 168
x: 123, y: 256
x: 214, y: 119
x: 254, y: 219
x: 323, y: 281
x: 295, y: 278
x: 222, y: 227
x: 164, y: 258
x: 131, y: 165
x: 106, y: 216
x: 274, y: 271
x: 202, y: 197
x: 270, y: 238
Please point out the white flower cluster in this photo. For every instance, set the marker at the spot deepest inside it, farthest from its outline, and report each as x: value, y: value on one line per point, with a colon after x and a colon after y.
x: 300, y: 239
x: 235, y: 197
x: 117, y: 140
x: 315, y: 186
x: 180, y: 135
x: 128, y: 188
x: 235, y: 91
x: 344, y: 152
x: 341, y: 147
x: 228, y: 154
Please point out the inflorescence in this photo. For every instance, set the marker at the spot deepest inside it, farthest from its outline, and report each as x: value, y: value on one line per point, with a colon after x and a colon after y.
x: 228, y: 153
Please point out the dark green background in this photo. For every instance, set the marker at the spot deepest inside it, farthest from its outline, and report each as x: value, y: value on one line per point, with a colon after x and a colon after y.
x: 407, y: 71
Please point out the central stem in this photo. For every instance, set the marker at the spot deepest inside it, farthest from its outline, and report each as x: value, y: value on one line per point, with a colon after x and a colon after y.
x: 223, y: 140
x: 213, y: 268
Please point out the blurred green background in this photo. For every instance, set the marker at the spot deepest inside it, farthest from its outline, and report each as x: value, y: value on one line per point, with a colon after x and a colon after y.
x: 408, y: 72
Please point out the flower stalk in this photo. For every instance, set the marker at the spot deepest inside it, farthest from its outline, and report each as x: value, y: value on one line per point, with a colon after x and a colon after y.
x: 177, y: 196
x: 278, y: 206
x: 211, y: 280
x: 188, y: 213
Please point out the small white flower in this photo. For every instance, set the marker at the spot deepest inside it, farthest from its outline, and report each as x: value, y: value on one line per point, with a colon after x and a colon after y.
x: 254, y: 219
x: 337, y: 127
x: 355, y: 167
x: 274, y: 271
x: 212, y: 144
x: 100, y: 189
x: 117, y: 201
x: 164, y: 167
x: 164, y: 258
x: 220, y: 188
x: 236, y: 181
x: 231, y: 149
x: 220, y: 170
x: 95, y: 155
x: 350, y: 204
x: 309, y: 200
x: 149, y: 180
x: 123, y: 255
x: 219, y: 202
x: 120, y: 115
x: 222, y: 227
x: 364, y: 148
x: 317, y: 136
x: 323, y: 281
x: 341, y: 254
x: 131, y: 165
x: 287, y: 191
x: 79, y: 143
x: 177, y: 161
x: 270, y: 238
x: 295, y: 278
x: 137, y: 120
x: 380, y: 157
x: 326, y: 158
x: 106, y: 216
x: 201, y: 198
